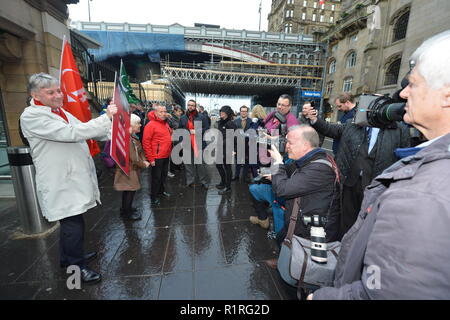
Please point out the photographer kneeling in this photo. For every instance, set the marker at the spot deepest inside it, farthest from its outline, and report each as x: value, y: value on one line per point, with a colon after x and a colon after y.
x: 312, y: 176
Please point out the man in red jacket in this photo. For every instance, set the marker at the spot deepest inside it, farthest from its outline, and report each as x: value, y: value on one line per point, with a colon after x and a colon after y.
x: 157, y: 143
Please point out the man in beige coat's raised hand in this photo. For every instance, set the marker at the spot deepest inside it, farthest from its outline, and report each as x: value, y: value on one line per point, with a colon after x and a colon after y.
x: 66, y: 180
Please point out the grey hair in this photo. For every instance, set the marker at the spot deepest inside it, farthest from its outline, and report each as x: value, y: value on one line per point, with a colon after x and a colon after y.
x: 134, y: 119
x: 41, y: 80
x: 308, y: 133
x: 432, y: 60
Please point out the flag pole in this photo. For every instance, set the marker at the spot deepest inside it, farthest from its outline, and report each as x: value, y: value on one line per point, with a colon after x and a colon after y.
x: 61, y: 59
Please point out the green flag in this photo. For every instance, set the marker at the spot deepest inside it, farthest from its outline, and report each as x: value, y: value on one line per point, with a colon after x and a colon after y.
x: 125, y: 82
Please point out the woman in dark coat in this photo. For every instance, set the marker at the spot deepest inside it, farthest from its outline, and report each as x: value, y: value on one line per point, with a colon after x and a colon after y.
x: 225, y: 123
x: 130, y: 184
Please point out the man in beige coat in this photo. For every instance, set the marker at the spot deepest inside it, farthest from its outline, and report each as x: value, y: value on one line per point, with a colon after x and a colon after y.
x: 66, y: 180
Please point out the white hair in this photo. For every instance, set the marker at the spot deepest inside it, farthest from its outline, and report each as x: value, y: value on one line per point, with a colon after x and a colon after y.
x: 134, y: 119
x: 432, y: 60
x: 41, y: 80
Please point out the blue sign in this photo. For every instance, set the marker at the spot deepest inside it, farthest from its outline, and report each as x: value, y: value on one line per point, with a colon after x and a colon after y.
x: 311, y: 94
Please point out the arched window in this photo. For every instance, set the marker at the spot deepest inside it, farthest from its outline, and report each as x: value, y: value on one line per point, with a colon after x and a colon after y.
x: 284, y: 58
x: 348, y: 84
x: 288, y: 28
x: 276, y: 58
x: 392, y: 72
x: 332, y: 67
x: 330, y: 86
x: 400, y: 27
x: 351, y: 60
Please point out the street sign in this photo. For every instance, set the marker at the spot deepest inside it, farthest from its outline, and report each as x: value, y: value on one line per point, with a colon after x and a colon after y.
x: 311, y: 94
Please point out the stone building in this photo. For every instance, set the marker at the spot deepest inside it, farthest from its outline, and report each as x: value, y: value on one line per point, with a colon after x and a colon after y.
x: 303, y: 16
x: 31, y: 33
x: 370, y: 45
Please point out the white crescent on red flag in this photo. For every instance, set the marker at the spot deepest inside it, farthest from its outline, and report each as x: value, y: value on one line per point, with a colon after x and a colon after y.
x: 75, y: 95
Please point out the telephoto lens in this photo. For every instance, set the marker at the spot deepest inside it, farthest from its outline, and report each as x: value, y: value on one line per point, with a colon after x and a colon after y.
x: 318, y: 245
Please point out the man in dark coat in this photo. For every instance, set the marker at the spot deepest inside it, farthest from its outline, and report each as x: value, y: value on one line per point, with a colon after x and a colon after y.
x: 363, y: 153
x: 244, y: 123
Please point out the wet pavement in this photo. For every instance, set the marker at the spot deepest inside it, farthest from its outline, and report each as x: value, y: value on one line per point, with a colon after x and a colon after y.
x: 196, y: 245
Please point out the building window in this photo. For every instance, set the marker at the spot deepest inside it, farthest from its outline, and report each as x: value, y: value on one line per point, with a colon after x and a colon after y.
x: 315, y: 5
x: 354, y: 38
x: 400, y: 27
x: 351, y: 60
x: 284, y: 58
x: 392, y: 73
x: 322, y: 6
x: 304, y: 16
x: 329, y: 89
x: 288, y: 28
x: 331, y: 19
x: 333, y: 7
x: 289, y: 13
x: 290, y: 1
x: 348, y: 83
x: 321, y: 18
x: 305, y: 3
x: 334, y: 48
x: 332, y: 68
x: 314, y: 17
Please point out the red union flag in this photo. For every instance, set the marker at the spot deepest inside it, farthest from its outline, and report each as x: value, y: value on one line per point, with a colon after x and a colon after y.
x: 75, y: 96
x: 120, y: 134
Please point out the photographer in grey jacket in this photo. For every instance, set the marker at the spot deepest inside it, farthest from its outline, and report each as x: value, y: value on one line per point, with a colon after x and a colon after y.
x: 397, y: 249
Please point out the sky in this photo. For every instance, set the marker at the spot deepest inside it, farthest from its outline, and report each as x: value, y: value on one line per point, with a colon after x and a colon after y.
x: 230, y: 14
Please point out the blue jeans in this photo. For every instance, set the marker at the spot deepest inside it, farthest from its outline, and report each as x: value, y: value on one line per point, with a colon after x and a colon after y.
x: 263, y: 192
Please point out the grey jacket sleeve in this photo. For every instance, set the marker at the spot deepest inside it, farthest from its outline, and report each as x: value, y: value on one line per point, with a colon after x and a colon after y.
x: 353, y: 291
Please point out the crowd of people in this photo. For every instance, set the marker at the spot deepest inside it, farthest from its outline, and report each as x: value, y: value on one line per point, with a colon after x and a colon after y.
x: 387, y: 212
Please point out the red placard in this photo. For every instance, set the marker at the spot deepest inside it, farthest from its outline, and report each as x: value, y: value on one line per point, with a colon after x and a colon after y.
x: 120, y: 136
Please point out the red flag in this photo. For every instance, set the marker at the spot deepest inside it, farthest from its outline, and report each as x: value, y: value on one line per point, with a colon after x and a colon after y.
x: 321, y: 2
x: 75, y: 96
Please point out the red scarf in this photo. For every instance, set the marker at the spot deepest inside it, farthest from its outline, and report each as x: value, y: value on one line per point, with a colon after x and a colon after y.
x: 191, y: 126
x: 57, y: 111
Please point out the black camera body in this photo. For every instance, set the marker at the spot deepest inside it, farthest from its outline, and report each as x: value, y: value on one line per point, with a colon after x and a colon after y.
x: 378, y: 111
x: 283, y: 131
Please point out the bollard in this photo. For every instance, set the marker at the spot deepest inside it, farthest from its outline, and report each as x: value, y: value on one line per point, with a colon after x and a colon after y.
x: 23, y: 176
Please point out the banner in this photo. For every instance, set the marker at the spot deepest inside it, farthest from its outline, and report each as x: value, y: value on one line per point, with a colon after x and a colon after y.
x: 120, y: 136
x: 75, y: 96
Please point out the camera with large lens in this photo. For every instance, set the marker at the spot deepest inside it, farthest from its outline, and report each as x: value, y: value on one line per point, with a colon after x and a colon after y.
x: 281, y: 141
x: 378, y: 111
x: 318, y: 242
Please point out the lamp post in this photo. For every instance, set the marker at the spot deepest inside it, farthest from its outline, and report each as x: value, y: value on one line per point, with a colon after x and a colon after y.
x: 89, y: 9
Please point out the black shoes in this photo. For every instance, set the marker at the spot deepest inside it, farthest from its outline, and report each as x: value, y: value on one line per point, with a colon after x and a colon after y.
x: 90, y: 276
x: 225, y: 191
x: 133, y: 215
x: 220, y: 186
x: 155, y: 202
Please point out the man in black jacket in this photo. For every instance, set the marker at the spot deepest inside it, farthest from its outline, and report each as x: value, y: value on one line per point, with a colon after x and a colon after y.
x: 313, y: 177
x: 363, y: 153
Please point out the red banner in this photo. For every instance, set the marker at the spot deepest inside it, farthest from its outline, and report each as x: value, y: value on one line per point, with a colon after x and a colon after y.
x: 75, y: 96
x: 120, y: 136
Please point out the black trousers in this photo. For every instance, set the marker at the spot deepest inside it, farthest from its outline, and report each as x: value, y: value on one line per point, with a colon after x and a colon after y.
x: 225, y: 172
x: 71, y: 241
x: 159, y: 176
x: 352, y: 197
x: 127, y: 201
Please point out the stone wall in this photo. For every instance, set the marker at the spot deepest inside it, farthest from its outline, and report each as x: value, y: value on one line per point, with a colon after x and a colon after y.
x: 31, y: 34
